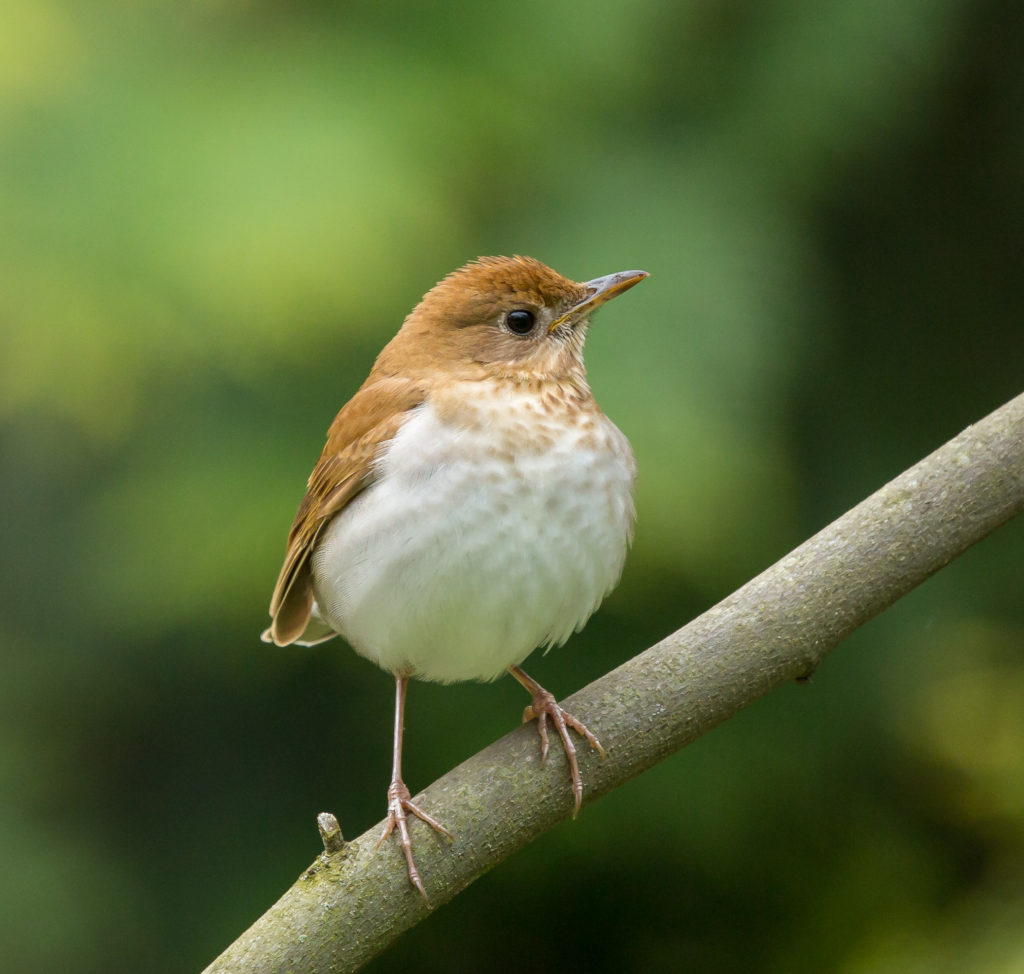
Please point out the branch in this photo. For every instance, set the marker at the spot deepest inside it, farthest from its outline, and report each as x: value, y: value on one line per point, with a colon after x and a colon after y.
x: 354, y: 901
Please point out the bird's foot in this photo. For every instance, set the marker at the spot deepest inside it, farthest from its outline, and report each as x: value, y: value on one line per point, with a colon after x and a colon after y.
x: 545, y: 707
x: 400, y: 805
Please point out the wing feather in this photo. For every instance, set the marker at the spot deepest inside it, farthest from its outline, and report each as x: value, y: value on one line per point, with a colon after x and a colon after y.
x: 346, y: 466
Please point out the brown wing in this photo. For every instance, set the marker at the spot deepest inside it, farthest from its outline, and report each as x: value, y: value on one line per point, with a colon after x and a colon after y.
x: 371, y: 418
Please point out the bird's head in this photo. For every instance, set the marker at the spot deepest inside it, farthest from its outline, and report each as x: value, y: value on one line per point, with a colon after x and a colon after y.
x: 508, y: 316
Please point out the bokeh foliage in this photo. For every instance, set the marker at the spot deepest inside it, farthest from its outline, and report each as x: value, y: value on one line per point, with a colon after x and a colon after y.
x: 214, y: 214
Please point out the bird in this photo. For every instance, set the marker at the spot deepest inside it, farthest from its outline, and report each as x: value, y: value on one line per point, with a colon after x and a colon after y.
x: 472, y: 502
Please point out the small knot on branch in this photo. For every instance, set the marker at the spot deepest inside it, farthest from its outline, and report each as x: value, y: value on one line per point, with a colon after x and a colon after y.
x: 330, y: 832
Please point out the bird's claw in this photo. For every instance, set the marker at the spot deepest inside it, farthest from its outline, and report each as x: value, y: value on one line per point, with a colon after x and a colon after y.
x: 544, y: 707
x: 400, y: 805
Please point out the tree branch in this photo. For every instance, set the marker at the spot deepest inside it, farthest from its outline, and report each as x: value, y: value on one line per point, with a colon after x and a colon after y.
x: 353, y: 902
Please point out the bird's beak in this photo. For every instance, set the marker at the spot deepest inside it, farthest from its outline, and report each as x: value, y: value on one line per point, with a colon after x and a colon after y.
x: 599, y: 290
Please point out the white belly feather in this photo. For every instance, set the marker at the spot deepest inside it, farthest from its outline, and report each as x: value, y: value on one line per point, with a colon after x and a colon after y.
x: 465, y: 555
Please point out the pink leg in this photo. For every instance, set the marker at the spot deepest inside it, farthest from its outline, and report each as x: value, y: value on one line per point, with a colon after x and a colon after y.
x: 545, y: 706
x: 399, y: 802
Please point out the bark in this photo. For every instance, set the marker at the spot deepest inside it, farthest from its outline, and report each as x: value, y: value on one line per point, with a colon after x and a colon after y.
x: 354, y: 901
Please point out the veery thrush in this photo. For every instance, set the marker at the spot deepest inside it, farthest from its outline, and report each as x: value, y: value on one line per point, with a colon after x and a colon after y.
x: 472, y: 502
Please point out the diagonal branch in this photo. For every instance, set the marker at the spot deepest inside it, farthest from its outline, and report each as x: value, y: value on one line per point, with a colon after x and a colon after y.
x: 351, y: 904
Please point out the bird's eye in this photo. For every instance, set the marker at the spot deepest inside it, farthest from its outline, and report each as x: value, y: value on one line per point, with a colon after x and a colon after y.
x: 520, y: 322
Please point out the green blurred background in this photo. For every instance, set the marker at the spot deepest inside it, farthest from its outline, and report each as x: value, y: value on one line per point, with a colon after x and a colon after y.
x: 214, y: 215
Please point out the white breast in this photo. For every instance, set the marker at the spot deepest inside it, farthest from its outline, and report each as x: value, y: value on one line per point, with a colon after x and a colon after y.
x: 478, y: 542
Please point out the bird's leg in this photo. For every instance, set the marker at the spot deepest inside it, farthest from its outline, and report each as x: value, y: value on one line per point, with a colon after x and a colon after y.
x: 545, y: 706
x: 399, y: 801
